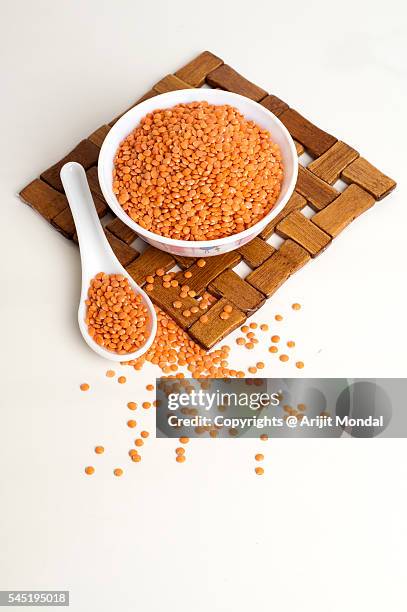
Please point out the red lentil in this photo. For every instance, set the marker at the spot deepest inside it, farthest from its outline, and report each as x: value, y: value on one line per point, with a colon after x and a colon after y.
x: 84, y: 387
x: 110, y: 373
x: 89, y: 470
x: 197, y: 172
x: 121, y: 380
x: 116, y: 316
x: 299, y: 365
x: 132, y: 405
x: 99, y: 450
x: 118, y: 472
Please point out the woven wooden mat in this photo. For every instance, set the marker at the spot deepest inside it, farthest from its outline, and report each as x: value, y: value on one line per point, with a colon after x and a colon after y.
x: 304, y: 238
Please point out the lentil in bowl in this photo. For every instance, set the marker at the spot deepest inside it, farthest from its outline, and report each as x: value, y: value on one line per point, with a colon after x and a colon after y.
x: 252, y: 112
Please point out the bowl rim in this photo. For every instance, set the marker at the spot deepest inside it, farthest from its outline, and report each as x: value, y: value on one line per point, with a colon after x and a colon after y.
x: 114, y: 205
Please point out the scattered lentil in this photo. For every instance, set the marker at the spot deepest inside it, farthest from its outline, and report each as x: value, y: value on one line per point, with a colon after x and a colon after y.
x: 89, y: 470
x: 99, y: 450
x: 84, y: 387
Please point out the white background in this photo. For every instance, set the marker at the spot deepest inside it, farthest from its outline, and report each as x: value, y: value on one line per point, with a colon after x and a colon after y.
x: 324, y: 529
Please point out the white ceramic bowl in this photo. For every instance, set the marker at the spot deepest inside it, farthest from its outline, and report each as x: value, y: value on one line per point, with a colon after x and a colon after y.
x: 252, y: 111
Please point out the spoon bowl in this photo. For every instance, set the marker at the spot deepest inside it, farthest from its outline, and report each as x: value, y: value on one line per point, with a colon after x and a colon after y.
x: 97, y: 256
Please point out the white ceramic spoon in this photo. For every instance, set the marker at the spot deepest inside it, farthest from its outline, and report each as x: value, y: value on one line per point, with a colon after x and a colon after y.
x: 97, y: 256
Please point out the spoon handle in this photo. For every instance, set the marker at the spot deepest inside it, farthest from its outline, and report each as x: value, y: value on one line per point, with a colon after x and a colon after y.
x: 93, y: 244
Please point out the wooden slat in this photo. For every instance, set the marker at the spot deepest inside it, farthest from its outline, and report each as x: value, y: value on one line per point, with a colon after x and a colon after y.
x: 304, y: 232
x: 195, y: 72
x: 210, y: 333
x: 165, y: 298
x: 298, y: 147
x: 98, y: 136
x: 289, y: 258
x: 369, y: 178
x: 85, y: 153
x: 329, y: 166
x: 275, y: 105
x: 184, y: 262
x: 124, y: 253
x: 94, y: 186
x: 229, y: 285
x: 149, y: 94
x: 148, y: 262
x: 64, y: 223
x: 345, y: 209
x: 256, y: 252
x: 201, y: 277
x: 170, y: 83
x: 315, y: 140
x: 296, y: 202
x: 44, y: 199
x: 230, y: 80
x: 121, y: 231
x: 318, y: 193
